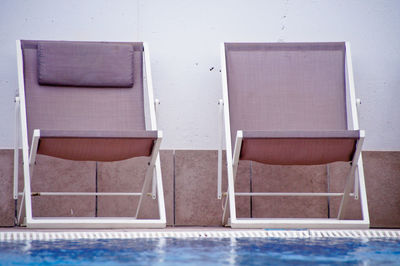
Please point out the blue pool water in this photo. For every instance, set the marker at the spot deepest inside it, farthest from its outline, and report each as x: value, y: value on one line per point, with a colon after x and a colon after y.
x: 202, y: 251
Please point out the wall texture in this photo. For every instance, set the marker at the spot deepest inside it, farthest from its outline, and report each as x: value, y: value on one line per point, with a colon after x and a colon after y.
x: 184, y: 39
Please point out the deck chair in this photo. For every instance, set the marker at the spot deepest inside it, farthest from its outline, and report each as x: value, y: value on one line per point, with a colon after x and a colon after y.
x: 85, y: 101
x: 290, y: 104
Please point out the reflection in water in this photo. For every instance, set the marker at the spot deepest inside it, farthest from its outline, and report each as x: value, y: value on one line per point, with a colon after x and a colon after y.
x: 26, y: 246
x: 232, y: 253
x: 198, y: 251
x: 161, y: 246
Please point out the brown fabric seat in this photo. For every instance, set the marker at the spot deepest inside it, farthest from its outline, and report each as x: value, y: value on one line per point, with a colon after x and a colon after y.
x: 86, y: 109
x: 96, y: 145
x: 299, y: 147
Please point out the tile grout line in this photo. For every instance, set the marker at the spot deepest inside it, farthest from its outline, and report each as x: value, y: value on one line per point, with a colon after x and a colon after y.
x: 173, y: 187
x: 96, y: 199
x: 251, y: 189
x: 328, y: 181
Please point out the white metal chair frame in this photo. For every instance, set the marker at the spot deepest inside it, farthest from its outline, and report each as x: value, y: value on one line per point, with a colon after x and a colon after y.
x: 356, y: 173
x: 153, y: 172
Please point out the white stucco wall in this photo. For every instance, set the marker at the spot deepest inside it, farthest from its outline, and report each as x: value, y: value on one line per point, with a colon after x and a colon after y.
x: 184, y: 39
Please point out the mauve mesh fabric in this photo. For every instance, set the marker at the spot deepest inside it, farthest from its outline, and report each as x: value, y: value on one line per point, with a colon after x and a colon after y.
x: 83, y: 64
x: 82, y: 108
x: 287, y: 87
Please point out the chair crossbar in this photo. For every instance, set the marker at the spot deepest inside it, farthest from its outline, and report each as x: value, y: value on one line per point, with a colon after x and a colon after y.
x: 288, y: 194
x: 33, y: 194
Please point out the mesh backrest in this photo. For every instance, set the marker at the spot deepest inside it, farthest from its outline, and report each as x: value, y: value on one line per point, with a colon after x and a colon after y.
x: 82, y: 108
x: 286, y: 86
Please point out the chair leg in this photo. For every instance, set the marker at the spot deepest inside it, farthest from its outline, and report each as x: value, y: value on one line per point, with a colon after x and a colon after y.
x: 220, y: 137
x: 362, y: 191
x: 26, y: 160
x: 145, y: 186
x: 346, y: 194
x: 29, y: 163
x: 27, y: 185
x: 160, y: 192
x: 21, y: 205
x: 225, y: 213
x: 16, y: 158
x: 33, y: 153
x: 349, y: 179
x: 154, y: 185
x: 149, y: 173
x: 232, y: 171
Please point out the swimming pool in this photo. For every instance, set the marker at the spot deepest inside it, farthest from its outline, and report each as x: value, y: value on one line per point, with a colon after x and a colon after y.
x: 202, y: 251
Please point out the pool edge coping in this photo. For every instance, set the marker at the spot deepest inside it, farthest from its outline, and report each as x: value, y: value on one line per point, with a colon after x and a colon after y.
x: 204, y: 233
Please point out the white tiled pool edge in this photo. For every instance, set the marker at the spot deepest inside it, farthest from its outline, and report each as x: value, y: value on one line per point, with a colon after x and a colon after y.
x: 70, y: 235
